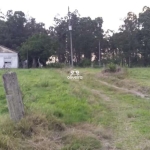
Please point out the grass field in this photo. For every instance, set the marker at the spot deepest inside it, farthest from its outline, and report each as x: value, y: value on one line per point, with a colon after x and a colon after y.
x: 99, y: 112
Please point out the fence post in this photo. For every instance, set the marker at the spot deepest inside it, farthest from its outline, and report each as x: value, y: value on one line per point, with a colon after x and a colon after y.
x: 13, y: 96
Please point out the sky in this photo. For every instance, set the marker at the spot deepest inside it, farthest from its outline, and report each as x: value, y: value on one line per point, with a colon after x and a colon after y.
x: 112, y: 11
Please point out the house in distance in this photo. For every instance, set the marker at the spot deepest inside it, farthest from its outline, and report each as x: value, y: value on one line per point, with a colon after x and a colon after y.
x: 8, y: 58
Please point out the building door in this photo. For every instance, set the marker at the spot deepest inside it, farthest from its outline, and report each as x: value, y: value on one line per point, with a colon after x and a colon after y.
x: 7, y: 64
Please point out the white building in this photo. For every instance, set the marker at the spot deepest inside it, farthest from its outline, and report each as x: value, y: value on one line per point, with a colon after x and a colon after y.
x: 8, y: 58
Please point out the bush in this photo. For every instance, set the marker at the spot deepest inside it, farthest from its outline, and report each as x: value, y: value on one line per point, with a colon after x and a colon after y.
x: 85, y: 63
x: 55, y: 65
x: 112, y: 67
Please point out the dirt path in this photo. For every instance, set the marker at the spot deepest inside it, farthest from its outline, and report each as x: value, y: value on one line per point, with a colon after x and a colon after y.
x: 124, y: 127
x: 125, y: 134
x: 125, y: 90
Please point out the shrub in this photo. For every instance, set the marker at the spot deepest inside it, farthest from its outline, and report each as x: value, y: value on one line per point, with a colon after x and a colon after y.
x: 112, y: 67
x: 85, y: 63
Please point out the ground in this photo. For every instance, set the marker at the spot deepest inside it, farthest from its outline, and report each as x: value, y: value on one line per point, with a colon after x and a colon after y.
x: 99, y: 112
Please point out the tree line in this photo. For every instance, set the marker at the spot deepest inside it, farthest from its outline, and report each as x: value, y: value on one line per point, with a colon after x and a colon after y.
x: 129, y: 46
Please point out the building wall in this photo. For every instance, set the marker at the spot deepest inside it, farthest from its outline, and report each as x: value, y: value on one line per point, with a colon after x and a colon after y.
x: 9, y: 57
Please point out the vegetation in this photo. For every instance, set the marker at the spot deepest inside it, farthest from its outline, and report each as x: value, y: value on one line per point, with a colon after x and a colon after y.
x: 79, y: 114
x: 37, y: 46
x: 101, y: 111
x: 112, y: 67
x: 56, y: 65
x: 130, y: 46
x: 85, y: 63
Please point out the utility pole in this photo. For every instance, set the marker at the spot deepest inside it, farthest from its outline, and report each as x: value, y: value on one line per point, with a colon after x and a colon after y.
x: 70, y: 29
x: 99, y: 53
x: 99, y: 47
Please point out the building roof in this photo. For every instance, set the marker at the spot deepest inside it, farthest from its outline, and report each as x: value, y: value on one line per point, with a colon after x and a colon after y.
x: 6, y: 50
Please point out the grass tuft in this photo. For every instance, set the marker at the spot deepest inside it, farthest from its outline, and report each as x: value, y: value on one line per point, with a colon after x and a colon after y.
x: 86, y: 143
x: 43, y: 83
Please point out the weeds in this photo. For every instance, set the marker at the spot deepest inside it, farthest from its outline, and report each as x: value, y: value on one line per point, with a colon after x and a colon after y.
x: 33, y: 124
x: 87, y: 143
x: 57, y: 108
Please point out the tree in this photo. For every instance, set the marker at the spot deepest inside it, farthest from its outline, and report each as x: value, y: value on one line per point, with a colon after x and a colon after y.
x: 84, y: 33
x: 15, y: 27
x: 37, y: 46
x: 144, y: 34
x: 129, y: 28
x: 32, y: 27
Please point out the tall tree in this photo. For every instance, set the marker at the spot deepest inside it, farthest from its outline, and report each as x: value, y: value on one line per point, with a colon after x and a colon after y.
x: 15, y: 24
x: 144, y: 34
x: 84, y: 31
x: 129, y: 28
x: 37, y: 46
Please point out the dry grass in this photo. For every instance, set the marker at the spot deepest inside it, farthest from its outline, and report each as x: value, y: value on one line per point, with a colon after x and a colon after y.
x: 87, y: 134
x: 121, y: 81
x: 91, y: 115
x: 32, y: 132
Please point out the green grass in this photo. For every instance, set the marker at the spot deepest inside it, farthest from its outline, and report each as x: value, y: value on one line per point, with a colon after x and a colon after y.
x: 48, y: 91
x: 87, y: 143
x: 64, y: 105
x: 140, y: 75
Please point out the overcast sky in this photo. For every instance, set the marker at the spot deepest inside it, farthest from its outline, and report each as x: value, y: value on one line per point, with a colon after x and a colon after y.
x: 112, y: 11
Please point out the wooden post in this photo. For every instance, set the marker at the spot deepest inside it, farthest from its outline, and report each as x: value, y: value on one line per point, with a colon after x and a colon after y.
x: 13, y: 96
